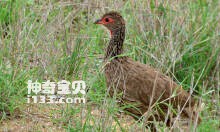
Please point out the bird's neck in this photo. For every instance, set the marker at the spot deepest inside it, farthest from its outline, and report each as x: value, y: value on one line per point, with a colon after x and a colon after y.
x: 115, y: 46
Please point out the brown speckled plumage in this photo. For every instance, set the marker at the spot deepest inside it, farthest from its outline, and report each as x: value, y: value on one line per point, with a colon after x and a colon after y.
x: 141, y: 85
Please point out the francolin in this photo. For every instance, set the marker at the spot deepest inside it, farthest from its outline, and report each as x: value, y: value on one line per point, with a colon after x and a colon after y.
x: 154, y: 96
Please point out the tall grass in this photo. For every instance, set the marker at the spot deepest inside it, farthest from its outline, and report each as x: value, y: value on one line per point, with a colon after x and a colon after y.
x: 55, y: 40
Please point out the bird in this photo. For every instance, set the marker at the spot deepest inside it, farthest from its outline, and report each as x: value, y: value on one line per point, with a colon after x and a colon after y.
x: 152, y: 95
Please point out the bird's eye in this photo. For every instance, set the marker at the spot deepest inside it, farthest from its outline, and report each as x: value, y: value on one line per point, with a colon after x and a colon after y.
x: 106, y: 20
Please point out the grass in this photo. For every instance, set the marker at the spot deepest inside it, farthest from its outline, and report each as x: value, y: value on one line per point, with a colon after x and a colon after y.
x: 55, y: 40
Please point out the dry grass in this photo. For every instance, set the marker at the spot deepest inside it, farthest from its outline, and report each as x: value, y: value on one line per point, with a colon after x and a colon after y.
x: 55, y: 40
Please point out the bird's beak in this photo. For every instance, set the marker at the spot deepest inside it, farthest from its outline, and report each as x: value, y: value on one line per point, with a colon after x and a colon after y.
x: 99, y: 21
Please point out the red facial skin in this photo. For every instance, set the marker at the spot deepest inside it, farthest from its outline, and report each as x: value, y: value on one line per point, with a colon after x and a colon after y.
x: 104, y: 21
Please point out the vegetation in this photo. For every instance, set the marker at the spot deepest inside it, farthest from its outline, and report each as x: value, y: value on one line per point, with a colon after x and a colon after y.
x: 55, y: 40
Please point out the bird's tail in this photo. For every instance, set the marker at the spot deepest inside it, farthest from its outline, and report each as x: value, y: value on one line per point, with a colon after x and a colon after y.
x: 193, y: 112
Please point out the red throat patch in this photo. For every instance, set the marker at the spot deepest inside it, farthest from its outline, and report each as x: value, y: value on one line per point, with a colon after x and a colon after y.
x: 110, y: 32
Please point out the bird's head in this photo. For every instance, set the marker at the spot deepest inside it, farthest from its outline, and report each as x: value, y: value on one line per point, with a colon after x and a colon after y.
x: 112, y: 21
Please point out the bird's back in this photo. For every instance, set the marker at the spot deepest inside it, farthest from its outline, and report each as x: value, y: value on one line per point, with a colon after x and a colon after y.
x: 147, y: 89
